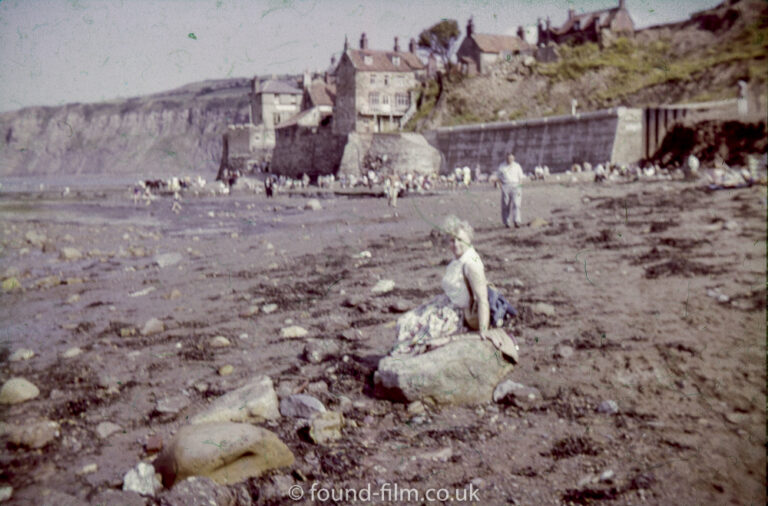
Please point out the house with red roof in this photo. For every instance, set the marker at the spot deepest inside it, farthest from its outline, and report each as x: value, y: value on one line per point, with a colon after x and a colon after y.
x: 375, y: 89
x: 478, y: 51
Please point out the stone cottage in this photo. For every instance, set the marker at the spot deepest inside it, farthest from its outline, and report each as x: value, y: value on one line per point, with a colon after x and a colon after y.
x: 596, y: 26
x: 375, y: 89
x: 478, y: 51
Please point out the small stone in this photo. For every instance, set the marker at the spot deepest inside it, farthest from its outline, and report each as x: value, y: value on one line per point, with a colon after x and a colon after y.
x: 442, y: 455
x: 143, y: 292
x: 72, y: 352
x: 153, y: 443
x: 172, y: 405
x: 606, y: 475
x: 226, y: 370
x: 88, y: 469
x: 383, y: 286
x: 510, y: 392
x: 69, y: 253
x: 399, y: 306
x: 152, y: 326
x: 127, y: 332
x: 313, y: 205
x: 175, y: 294
x: 34, y: 435
x: 269, y: 308
x: 292, y: 332
x: 35, y: 238
x: 570, y: 268
x: 563, y: 351
x: 167, y: 259
x: 142, y: 480
x: 301, y: 406
x: 416, y: 408
x: 737, y: 418
x: 73, y: 298
x: 48, y: 282
x: 543, y: 308
x: 326, y: 426
x: 17, y: 390
x: 317, y: 351
x: 517, y: 283
x: 6, y: 493
x: 722, y: 298
x: 219, y: 342
x: 609, y: 407
x: 21, y: 354
x: 252, y: 310
x: 538, y: 223
x: 11, y: 284
x: 318, y: 387
x: 730, y: 225
x: 106, y: 429
x: 351, y: 335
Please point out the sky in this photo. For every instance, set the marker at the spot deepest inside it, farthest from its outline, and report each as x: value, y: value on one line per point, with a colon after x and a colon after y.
x: 54, y: 52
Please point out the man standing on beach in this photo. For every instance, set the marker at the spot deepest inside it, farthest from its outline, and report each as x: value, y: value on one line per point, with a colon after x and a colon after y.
x: 511, y: 179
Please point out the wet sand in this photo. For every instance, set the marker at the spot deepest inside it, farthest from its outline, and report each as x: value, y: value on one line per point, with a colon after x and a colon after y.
x: 627, y: 267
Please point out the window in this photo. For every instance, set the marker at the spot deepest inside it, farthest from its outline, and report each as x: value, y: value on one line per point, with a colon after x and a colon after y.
x: 373, y: 78
x: 373, y: 98
x: 402, y: 99
x: 396, y: 60
x: 367, y: 60
x: 275, y: 118
x: 386, y: 80
x: 385, y: 99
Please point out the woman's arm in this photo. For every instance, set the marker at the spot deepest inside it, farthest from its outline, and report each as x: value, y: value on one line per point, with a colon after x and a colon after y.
x: 479, y: 285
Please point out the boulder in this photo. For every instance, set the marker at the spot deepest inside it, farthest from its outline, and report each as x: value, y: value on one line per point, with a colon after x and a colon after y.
x: 253, y: 403
x: 464, y: 371
x: 300, y: 406
x: 226, y: 452
x: 17, y: 390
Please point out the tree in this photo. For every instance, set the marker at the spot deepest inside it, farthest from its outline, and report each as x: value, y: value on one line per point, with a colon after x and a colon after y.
x: 440, y: 38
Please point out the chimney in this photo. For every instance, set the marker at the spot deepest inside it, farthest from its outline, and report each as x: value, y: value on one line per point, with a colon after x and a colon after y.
x: 333, y: 60
x: 397, y: 45
x: 621, y: 4
x: 307, y: 80
x: 327, y: 78
x: 470, y: 27
x: 571, y: 14
x: 363, y: 41
x: 520, y: 33
x: 346, y: 44
x: 549, y: 23
x: 412, y: 46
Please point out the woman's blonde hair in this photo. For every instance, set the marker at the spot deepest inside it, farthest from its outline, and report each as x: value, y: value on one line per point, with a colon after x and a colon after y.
x: 452, y: 225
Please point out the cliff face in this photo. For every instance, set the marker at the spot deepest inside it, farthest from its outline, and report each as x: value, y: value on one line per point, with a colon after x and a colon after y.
x: 158, y: 135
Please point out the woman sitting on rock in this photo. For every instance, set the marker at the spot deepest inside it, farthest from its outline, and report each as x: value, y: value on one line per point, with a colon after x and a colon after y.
x: 462, y: 306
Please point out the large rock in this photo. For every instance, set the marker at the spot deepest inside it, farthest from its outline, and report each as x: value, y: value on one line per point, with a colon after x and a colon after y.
x: 225, y: 452
x: 464, y: 371
x: 300, y: 406
x: 17, y: 390
x: 253, y: 403
x: 34, y: 435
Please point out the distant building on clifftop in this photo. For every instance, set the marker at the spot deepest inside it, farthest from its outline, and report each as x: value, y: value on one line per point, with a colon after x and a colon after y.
x: 595, y: 26
x: 375, y: 89
x: 478, y: 51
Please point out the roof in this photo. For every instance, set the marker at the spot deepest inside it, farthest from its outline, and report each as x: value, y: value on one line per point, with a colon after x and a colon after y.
x: 382, y: 60
x: 321, y: 93
x: 604, y: 17
x: 491, y: 43
x: 272, y: 86
x: 295, y: 119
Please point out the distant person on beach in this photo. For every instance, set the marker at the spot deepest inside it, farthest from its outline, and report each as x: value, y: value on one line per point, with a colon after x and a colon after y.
x: 511, y: 178
x: 462, y: 306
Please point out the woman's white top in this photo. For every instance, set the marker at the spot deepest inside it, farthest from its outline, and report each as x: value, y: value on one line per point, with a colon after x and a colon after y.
x: 454, y: 285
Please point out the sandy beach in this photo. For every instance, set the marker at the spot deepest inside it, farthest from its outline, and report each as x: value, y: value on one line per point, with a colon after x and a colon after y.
x: 658, y: 291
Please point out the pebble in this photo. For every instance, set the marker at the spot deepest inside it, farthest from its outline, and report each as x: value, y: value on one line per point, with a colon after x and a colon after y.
x: 17, y: 390
x: 416, y: 408
x: 142, y: 480
x: 609, y: 407
x: 73, y: 298
x: 383, y: 286
x: 35, y: 434
x: 517, y: 283
x: 152, y: 326
x: 543, y: 308
x: 106, y: 429
x: 570, y: 268
x: 313, y: 205
x: 21, y: 354
x: 72, y: 352
x: 219, y: 342
x: 175, y: 294
x: 440, y: 455
x: 6, y: 493
x: 563, y: 351
x: 69, y: 253
x: 226, y: 370
x: 252, y: 310
x: 153, y: 443
x: 11, y: 284
x: 127, y: 332
x: 269, y: 308
x: 294, y: 331
x: 167, y: 259
x: 88, y: 469
x: 606, y: 475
